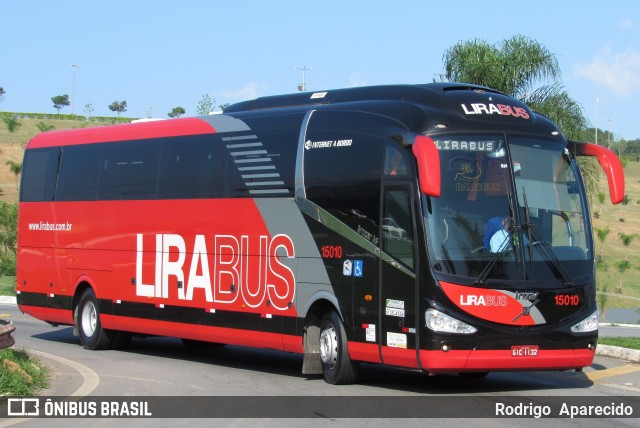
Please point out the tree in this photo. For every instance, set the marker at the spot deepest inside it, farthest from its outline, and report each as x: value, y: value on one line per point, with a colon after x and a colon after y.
x: 627, y: 239
x: 60, y: 101
x: 8, y: 238
x: 43, y: 127
x: 206, y: 105
x: 625, y: 202
x: 515, y: 66
x: 12, y: 126
x: 176, y: 112
x: 603, y: 299
x: 601, y: 198
x: 602, y: 236
x: 16, y: 169
x: 88, y: 109
x: 118, y: 107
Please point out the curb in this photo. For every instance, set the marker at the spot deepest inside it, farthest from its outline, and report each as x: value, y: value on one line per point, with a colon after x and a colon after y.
x: 632, y: 355
x: 8, y: 300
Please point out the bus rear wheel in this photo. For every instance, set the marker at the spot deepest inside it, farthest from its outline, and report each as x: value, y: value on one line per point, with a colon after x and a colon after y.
x: 337, y: 367
x: 92, y: 335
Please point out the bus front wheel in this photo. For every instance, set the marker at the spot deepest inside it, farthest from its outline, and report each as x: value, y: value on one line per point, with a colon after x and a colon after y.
x: 337, y: 367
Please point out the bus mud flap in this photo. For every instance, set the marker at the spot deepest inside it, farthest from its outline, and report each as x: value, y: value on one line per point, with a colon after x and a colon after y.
x: 311, y: 363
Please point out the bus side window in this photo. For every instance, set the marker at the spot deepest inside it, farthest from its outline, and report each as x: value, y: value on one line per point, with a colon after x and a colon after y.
x: 395, y: 163
x: 129, y: 171
x: 78, y: 175
x: 38, y: 184
x: 191, y: 167
x: 397, y: 226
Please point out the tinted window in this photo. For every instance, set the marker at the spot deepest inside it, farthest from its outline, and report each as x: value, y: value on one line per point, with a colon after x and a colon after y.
x: 38, y: 174
x: 397, y: 225
x: 229, y: 165
x: 129, y: 171
x: 191, y: 168
x: 345, y: 180
x: 78, y: 176
x: 396, y: 163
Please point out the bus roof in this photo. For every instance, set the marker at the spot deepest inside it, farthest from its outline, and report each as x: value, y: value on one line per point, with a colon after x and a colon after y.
x: 122, y: 132
x: 421, y: 94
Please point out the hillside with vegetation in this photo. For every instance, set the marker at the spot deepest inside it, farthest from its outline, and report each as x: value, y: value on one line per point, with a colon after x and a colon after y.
x: 618, y: 250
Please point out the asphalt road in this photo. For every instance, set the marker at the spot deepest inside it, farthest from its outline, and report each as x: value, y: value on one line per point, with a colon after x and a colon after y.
x: 619, y: 331
x: 163, y: 367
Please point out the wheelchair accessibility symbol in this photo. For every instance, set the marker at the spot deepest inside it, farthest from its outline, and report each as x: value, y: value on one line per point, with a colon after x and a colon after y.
x: 357, y: 268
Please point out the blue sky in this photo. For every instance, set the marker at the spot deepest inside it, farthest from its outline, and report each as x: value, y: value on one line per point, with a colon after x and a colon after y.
x: 162, y: 54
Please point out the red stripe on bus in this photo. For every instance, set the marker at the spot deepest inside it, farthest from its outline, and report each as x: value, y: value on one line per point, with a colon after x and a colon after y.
x: 368, y: 352
x: 123, y: 132
x: 497, y: 360
x: 61, y: 316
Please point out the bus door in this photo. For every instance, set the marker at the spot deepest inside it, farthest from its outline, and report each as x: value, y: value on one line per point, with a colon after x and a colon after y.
x: 397, y: 300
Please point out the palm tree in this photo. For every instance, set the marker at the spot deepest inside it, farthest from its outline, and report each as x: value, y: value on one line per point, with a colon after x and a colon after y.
x: 525, y: 69
x: 601, y: 199
x: 43, y: 127
x: 626, y: 241
x: 602, y: 236
x: 512, y: 66
x: 625, y: 202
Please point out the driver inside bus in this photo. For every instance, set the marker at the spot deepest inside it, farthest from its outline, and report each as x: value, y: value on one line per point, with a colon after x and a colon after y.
x: 500, y: 239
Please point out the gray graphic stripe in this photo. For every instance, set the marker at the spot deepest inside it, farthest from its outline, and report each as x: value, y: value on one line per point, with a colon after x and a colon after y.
x: 249, y: 155
x: 300, y: 190
x: 322, y: 216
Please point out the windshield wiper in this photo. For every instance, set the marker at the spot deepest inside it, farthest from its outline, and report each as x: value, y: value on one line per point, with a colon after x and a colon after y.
x: 550, y: 257
x: 545, y: 247
x: 527, y: 225
x: 497, y: 257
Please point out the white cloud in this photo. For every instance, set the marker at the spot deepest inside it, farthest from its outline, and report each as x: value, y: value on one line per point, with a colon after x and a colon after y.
x: 625, y: 24
x: 356, y: 80
x: 618, y: 72
x: 247, y: 92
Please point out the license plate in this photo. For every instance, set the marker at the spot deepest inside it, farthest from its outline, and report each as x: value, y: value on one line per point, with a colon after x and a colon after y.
x: 524, y: 351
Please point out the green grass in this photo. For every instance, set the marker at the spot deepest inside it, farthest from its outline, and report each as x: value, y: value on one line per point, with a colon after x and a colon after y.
x: 625, y: 342
x: 31, y: 377
x: 7, y: 285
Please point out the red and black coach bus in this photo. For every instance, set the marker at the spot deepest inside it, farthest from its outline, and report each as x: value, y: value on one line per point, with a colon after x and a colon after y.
x: 350, y: 226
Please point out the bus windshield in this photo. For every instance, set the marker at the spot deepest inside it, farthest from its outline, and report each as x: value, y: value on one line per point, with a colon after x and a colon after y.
x: 511, y: 208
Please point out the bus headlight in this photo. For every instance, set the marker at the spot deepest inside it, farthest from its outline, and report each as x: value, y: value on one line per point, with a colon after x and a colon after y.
x: 588, y: 324
x: 442, y: 323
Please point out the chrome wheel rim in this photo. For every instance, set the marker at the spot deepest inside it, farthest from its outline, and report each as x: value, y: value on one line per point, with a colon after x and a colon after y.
x: 329, y: 347
x: 89, y: 319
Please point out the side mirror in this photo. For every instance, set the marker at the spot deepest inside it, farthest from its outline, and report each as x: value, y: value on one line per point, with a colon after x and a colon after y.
x: 611, y: 165
x: 428, y: 158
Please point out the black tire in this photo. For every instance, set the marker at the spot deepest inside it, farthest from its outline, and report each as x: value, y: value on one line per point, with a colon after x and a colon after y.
x: 92, y: 335
x: 337, y: 367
